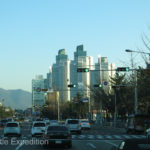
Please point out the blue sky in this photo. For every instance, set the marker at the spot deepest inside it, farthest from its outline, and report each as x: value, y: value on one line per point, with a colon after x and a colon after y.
x: 32, y: 32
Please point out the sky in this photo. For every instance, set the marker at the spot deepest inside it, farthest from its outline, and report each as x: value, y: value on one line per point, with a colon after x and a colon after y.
x: 32, y: 32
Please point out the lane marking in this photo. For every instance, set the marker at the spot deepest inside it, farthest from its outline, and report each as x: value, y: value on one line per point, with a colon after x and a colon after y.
x: 108, y: 142
x: 90, y: 136
x: 91, y: 145
x: 126, y: 136
x: 20, y: 145
x: 81, y: 136
x: 117, y: 136
x: 100, y: 137
x: 108, y: 136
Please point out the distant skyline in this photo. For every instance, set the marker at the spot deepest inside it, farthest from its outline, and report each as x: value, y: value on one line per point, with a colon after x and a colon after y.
x: 32, y: 32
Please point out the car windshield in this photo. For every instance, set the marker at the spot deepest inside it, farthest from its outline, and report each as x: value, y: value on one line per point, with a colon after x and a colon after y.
x: 39, y: 125
x: 12, y: 125
x: 57, y: 128
x: 73, y: 121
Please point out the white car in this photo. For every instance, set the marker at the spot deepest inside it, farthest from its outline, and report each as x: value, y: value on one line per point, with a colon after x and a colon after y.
x: 148, y: 133
x: 85, y: 124
x: 74, y: 125
x: 12, y: 129
x: 38, y: 128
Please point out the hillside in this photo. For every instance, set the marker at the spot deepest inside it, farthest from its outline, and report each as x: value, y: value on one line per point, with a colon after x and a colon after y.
x: 16, y: 99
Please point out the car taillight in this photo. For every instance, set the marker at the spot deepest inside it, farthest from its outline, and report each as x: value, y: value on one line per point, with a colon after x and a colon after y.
x: 46, y: 135
x: 88, y: 123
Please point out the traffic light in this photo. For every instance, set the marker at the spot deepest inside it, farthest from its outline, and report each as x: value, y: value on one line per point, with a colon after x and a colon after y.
x: 123, y: 69
x: 72, y: 85
x: 82, y: 69
x: 98, y: 85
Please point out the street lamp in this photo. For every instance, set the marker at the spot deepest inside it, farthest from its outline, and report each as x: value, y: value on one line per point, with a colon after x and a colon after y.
x: 129, y: 50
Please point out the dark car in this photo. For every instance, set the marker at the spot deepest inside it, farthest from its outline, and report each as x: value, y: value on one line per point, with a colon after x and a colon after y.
x: 133, y: 144
x: 58, y: 135
x: 3, y: 122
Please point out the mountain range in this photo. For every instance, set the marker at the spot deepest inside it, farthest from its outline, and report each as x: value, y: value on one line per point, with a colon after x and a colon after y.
x: 16, y: 99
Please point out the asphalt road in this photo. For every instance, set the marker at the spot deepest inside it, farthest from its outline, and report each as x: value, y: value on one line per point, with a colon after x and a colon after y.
x: 94, y: 139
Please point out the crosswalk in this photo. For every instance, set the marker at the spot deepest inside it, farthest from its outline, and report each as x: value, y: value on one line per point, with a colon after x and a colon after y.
x: 94, y: 137
x: 106, y: 137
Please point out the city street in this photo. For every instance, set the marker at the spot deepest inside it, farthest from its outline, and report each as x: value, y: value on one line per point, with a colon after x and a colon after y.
x: 93, y: 139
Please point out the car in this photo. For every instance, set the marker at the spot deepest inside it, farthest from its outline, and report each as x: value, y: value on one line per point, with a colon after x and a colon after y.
x: 12, y: 129
x: 74, y: 125
x: 85, y: 124
x: 38, y: 128
x: 47, y: 121
x: 3, y: 122
x: 54, y: 122
x: 58, y: 135
x: 133, y: 144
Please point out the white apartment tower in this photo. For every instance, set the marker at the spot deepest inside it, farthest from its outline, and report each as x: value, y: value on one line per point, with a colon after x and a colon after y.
x: 61, y: 75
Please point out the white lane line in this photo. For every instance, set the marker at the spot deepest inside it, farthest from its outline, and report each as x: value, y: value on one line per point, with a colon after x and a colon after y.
x: 108, y: 142
x: 90, y: 136
x: 127, y: 136
x: 91, y: 145
x: 100, y: 137
x: 135, y: 136
x: 108, y: 137
x: 117, y: 136
x: 73, y: 136
x: 81, y: 136
x: 20, y: 145
x: 142, y: 136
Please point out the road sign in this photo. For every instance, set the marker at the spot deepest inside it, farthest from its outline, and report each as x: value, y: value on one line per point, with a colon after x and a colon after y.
x: 85, y: 100
x: 105, y: 83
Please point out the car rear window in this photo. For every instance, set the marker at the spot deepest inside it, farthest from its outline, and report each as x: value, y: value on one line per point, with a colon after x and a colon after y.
x: 39, y: 125
x: 73, y: 121
x: 12, y: 125
x: 85, y: 121
x: 57, y: 128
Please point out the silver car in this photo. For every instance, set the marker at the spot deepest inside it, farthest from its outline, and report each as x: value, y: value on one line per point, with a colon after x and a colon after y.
x: 74, y: 125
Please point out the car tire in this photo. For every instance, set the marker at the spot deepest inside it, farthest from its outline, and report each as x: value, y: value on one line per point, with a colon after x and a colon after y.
x: 45, y: 146
x: 69, y: 145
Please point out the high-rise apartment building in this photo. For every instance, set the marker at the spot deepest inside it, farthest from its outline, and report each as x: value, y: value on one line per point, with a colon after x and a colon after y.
x: 61, y: 75
x: 38, y: 96
x: 81, y: 80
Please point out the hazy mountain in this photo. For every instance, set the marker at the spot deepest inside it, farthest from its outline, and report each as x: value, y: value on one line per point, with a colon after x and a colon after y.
x: 18, y: 99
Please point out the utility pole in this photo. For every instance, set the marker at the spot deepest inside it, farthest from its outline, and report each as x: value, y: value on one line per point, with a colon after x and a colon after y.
x: 115, y: 113
x: 136, y: 93
x: 58, y: 110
